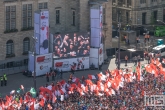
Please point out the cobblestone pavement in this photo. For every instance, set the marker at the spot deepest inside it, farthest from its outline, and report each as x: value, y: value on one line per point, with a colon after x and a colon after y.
x: 15, y: 80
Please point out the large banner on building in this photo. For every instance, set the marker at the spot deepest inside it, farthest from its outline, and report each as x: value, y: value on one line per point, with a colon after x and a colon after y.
x: 41, y: 31
x: 65, y: 64
x: 44, y: 32
x: 37, y: 31
x: 71, y: 45
x: 43, y: 64
x: 96, y: 26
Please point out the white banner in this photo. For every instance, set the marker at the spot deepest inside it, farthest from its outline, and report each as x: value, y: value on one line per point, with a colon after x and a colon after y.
x: 37, y: 31
x: 43, y: 64
x: 44, y: 32
x: 65, y: 64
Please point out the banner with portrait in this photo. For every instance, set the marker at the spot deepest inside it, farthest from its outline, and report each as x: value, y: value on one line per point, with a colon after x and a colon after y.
x: 71, y: 45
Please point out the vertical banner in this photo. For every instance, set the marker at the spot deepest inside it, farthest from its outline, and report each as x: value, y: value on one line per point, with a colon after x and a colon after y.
x: 96, y: 26
x: 37, y: 31
x: 44, y: 32
x: 101, y: 24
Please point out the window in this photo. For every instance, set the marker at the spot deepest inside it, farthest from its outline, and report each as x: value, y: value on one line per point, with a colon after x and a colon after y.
x: 43, y: 5
x: 27, y: 15
x: 57, y: 16
x: 10, y: 17
x: 142, y: 1
x: 26, y: 45
x: 143, y: 18
x: 114, y: 15
x: 9, y: 48
x: 73, y: 17
x: 129, y: 2
x: 155, y: 15
x: 104, y: 15
x: 153, y: 0
x: 127, y: 17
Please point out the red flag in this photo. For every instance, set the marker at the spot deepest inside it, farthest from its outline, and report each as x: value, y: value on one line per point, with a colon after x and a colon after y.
x: 21, y: 101
x: 42, y: 102
x: 32, y: 105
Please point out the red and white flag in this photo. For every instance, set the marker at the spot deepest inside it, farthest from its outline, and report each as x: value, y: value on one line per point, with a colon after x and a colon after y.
x: 91, y: 77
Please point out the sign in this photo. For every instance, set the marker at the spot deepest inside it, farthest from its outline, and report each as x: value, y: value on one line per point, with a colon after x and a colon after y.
x: 43, y: 64
x: 44, y: 32
x: 65, y: 64
x: 154, y: 100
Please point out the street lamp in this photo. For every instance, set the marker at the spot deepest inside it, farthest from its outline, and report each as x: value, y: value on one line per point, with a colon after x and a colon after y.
x: 160, y: 21
x: 118, y: 34
x: 34, y: 53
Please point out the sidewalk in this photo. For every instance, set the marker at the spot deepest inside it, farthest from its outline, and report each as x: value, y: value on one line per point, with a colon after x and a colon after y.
x: 15, y: 80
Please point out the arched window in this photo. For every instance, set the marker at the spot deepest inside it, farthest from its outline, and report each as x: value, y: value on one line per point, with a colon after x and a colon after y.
x: 26, y: 45
x: 9, y: 48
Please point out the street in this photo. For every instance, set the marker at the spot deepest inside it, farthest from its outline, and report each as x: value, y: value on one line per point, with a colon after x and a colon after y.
x: 15, y: 80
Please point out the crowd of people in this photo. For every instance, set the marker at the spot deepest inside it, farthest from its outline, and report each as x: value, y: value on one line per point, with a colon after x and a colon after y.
x: 71, y: 45
x: 110, y: 90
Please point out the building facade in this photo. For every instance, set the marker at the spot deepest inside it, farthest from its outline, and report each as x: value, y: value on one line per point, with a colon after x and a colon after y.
x: 17, y: 26
x: 138, y: 12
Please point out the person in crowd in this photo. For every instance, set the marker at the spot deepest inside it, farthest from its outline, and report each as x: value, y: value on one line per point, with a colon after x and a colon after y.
x: 73, y: 68
x: 2, y: 80
x: 135, y: 60
x: 137, y: 39
x: 126, y: 60
x: 145, y: 38
x: 47, y: 77
x: 61, y: 74
x: 125, y: 38
x: 5, y: 79
x: 148, y: 37
x: 139, y: 58
x: 53, y: 74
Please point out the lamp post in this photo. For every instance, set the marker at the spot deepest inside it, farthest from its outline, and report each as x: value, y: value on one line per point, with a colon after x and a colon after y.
x: 34, y: 53
x: 160, y: 21
x: 118, y: 34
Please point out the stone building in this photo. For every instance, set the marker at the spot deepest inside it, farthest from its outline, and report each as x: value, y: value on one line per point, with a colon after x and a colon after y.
x: 138, y: 12
x: 16, y: 23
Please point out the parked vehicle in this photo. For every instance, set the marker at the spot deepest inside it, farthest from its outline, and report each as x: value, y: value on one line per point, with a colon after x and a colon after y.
x: 27, y: 73
x: 159, y: 49
x: 140, y: 30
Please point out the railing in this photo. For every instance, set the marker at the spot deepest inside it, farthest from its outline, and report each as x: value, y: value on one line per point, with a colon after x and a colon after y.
x: 13, y: 70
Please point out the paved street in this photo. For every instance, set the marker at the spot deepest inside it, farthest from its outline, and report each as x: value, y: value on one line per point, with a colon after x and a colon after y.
x: 15, y: 80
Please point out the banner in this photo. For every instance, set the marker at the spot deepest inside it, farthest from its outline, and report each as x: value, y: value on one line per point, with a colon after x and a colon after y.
x: 96, y: 26
x: 44, y: 32
x: 65, y: 64
x: 43, y: 64
x: 37, y: 31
